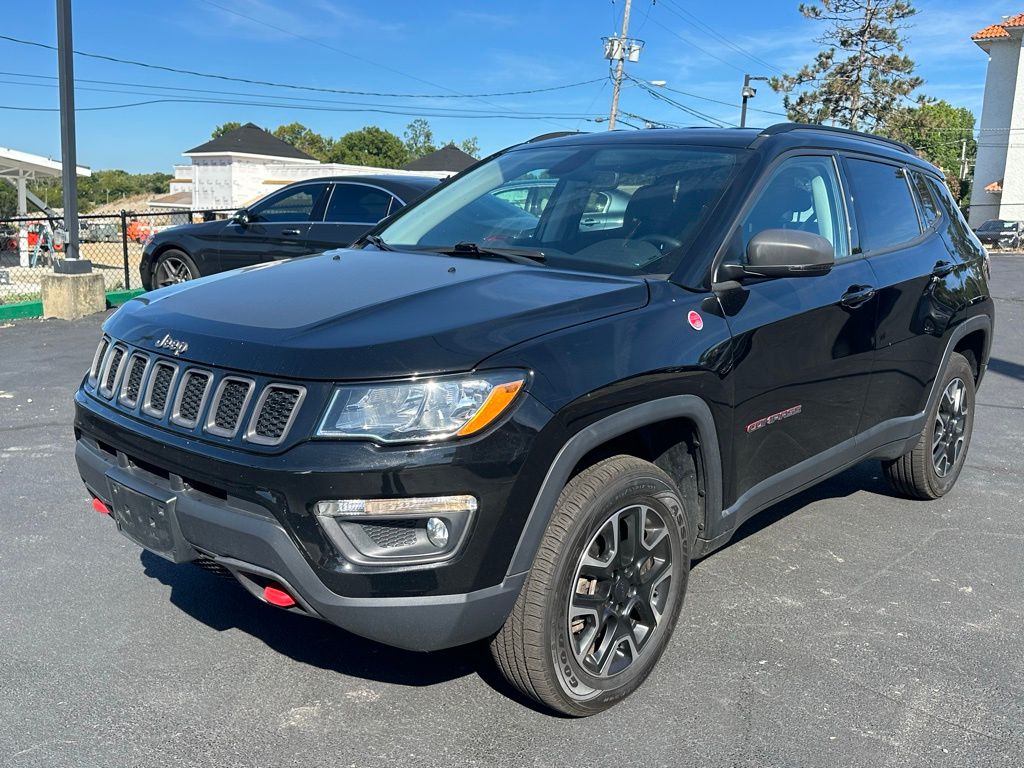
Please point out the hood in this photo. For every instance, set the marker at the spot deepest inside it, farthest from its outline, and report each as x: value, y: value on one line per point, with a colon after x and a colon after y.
x: 359, y: 314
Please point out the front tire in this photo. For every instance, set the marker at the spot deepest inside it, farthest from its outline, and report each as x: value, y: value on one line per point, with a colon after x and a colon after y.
x: 173, y: 267
x: 932, y: 467
x: 604, y: 592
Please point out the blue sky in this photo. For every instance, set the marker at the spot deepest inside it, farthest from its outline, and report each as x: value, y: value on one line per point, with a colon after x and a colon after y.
x: 406, y: 46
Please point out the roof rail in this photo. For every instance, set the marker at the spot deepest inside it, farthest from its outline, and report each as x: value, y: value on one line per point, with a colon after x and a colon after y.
x: 552, y: 135
x: 774, y: 130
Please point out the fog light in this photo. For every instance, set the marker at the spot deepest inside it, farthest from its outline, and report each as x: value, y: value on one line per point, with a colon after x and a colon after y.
x: 437, y: 532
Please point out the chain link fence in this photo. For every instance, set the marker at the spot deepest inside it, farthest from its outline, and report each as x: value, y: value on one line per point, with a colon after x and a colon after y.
x: 112, y: 242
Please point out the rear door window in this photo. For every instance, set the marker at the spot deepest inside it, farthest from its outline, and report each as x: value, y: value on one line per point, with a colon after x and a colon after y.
x: 886, y: 213
x: 357, y: 204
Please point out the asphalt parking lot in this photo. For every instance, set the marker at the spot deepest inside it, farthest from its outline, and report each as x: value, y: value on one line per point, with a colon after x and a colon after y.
x: 844, y: 627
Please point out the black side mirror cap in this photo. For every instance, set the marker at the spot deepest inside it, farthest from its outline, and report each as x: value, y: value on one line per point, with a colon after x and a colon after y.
x: 241, y: 216
x: 783, y: 253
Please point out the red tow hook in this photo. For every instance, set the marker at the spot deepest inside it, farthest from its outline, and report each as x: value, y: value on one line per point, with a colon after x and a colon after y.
x: 100, y: 507
x: 277, y: 596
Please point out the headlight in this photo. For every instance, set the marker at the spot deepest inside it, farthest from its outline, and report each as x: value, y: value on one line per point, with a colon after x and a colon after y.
x: 421, y: 410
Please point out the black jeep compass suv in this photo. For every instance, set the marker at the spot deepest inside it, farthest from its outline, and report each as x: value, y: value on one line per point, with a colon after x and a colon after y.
x: 491, y: 423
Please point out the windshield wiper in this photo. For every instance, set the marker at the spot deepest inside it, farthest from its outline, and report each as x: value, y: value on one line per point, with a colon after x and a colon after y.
x: 527, y: 256
x: 376, y: 242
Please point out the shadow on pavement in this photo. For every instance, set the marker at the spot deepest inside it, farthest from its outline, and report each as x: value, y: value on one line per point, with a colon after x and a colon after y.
x: 1006, y: 368
x: 223, y: 604
x: 866, y: 476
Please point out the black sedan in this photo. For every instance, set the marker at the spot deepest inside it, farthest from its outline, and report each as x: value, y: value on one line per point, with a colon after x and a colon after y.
x: 999, y: 233
x: 304, y: 217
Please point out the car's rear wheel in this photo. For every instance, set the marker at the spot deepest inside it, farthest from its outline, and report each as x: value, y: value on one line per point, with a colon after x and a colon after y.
x: 932, y: 467
x: 606, y: 587
x: 172, y: 267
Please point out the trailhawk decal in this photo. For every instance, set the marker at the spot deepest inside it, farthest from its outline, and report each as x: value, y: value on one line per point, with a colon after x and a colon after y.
x: 753, y: 426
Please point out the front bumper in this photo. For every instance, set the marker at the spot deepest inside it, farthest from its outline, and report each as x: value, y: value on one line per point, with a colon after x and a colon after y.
x: 250, y: 513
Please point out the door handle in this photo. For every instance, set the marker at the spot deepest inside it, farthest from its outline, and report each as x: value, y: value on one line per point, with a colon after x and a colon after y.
x: 588, y: 222
x: 857, y: 295
x: 290, y: 232
x: 942, y: 268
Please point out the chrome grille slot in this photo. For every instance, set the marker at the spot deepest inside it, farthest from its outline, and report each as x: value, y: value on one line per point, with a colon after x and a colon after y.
x: 191, y: 397
x: 135, y: 373
x: 274, y: 413
x: 159, y: 389
x: 228, y: 405
x: 112, y: 370
x: 97, y: 360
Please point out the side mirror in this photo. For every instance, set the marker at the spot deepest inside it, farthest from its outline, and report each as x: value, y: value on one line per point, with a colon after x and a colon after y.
x: 783, y: 253
x: 241, y: 216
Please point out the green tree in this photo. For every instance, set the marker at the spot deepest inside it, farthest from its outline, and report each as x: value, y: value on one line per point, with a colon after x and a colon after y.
x: 370, y: 146
x: 941, y: 133
x: 470, y: 146
x: 306, y: 140
x: 859, y: 79
x: 223, y: 128
x: 419, y: 139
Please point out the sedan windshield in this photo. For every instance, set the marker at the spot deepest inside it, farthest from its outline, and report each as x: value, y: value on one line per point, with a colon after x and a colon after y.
x: 627, y: 210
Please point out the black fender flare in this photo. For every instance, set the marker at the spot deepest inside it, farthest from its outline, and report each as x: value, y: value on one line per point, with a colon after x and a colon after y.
x: 677, y: 406
x: 970, y: 325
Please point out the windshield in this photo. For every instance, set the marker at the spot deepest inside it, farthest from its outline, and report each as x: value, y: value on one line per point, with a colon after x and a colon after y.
x: 995, y: 225
x: 627, y: 210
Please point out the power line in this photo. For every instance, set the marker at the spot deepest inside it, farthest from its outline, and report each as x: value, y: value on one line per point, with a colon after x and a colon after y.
x: 694, y: 45
x: 463, y: 114
x: 204, y: 91
x: 723, y: 103
x: 679, y: 105
x: 693, y: 20
x: 272, y: 84
x: 263, y: 23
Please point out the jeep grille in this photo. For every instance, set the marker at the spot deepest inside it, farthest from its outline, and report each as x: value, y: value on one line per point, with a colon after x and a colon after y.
x: 194, y: 399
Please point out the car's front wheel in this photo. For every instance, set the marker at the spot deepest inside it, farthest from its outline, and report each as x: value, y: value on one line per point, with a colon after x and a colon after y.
x: 606, y: 587
x: 172, y: 267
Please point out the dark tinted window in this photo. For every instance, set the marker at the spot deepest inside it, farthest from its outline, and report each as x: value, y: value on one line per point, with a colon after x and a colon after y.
x: 286, y: 206
x: 929, y: 207
x: 885, y: 209
x: 358, y: 204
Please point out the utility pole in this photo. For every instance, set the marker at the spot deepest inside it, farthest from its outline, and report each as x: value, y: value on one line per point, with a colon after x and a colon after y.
x: 619, y: 49
x: 963, y: 160
x: 747, y: 93
x: 69, y: 160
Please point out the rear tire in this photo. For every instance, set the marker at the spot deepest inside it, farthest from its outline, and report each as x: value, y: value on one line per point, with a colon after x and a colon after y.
x: 932, y: 467
x: 604, y: 592
x: 173, y: 267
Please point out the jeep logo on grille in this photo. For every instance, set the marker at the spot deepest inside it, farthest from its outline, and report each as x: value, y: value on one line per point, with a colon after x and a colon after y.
x: 174, y: 345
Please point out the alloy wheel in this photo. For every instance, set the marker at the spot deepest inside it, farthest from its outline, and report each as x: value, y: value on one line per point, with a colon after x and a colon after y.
x: 171, y: 271
x: 620, y: 591
x: 950, y: 422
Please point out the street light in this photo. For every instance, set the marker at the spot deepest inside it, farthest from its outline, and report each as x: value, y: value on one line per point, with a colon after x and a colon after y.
x: 747, y: 93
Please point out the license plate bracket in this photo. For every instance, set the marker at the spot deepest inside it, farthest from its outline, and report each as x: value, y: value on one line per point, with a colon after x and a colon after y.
x: 148, y: 519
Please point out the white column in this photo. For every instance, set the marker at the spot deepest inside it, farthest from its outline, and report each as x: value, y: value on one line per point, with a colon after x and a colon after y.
x: 23, y: 254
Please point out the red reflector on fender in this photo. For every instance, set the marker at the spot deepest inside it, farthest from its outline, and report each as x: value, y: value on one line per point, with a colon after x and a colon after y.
x: 100, y: 507
x: 278, y: 597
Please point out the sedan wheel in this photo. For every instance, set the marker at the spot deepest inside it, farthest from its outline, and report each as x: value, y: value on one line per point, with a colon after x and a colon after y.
x: 172, y: 268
